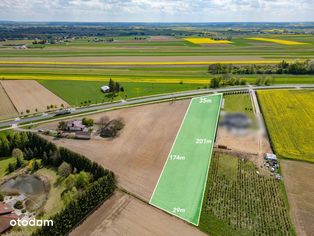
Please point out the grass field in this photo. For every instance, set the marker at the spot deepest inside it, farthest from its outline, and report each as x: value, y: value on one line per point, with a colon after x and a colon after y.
x: 238, y: 201
x: 180, y: 188
x: 238, y: 103
x: 289, y: 120
x: 76, y: 92
x: 4, y: 162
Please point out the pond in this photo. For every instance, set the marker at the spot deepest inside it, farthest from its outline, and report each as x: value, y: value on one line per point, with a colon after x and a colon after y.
x: 29, y: 185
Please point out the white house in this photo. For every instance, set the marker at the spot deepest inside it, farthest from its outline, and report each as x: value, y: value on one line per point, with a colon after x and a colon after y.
x: 105, y: 89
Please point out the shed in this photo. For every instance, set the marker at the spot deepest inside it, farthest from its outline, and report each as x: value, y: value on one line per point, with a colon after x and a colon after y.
x: 105, y: 89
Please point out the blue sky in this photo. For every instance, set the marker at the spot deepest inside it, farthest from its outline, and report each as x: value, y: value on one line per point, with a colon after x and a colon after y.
x: 157, y: 10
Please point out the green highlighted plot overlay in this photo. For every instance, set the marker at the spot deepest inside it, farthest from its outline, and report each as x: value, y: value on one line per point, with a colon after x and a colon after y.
x: 180, y: 188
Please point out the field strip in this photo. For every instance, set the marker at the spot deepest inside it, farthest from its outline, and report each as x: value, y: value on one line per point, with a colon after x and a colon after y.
x: 105, y: 79
x: 141, y: 63
x: 279, y: 41
x: 181, y: 184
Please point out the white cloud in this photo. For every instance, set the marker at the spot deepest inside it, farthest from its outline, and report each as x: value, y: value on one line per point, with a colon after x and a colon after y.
x: 157, y: 10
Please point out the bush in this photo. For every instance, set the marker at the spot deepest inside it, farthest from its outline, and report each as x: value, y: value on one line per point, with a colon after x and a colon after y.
x: 65, y: 169
x: 70, y: 181
x: 82, y: 179
x: 11, y: 167
x: 18, y: 205
x: 88, y: 122
x: 17, y: 153
x: 62, y: 125
x: 35, y: 165
x: 112, y: 128
x: 1, y: 197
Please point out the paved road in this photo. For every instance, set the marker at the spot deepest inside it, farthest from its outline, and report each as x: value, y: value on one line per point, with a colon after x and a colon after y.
x: 149, y: 99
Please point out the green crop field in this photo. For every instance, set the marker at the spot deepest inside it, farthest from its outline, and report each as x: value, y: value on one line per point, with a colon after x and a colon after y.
x: 77, y: 92
x: 180, y: 188
x: 239, y: 201
x: 289, y: 119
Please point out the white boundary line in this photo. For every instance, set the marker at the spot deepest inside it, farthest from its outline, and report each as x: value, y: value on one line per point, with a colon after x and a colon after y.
x: 210, y: 157
x: 187, y: 111
x: 150, y: 201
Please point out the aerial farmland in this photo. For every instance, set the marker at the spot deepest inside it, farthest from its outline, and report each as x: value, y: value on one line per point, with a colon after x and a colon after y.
x: 157, y: 128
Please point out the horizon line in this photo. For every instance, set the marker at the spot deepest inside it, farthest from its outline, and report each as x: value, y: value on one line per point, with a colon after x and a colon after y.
x: 155, y: 22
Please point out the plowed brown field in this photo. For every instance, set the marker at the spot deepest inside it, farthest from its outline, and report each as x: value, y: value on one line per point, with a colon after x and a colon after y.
x: 7, y: 109
x: 29, y: 94
x: 123, y: 214
x: 138, y: 154
x: 298, y: 178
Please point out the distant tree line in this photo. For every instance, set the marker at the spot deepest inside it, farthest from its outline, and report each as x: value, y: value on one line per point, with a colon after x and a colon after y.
x: 103, y: 185
x: 48, y: 31
x: 296, y: 68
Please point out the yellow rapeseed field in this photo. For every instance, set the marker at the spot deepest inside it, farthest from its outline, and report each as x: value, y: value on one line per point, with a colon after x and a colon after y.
x: 279, y: 41
x: 206, y: 41
x: 289, y: 120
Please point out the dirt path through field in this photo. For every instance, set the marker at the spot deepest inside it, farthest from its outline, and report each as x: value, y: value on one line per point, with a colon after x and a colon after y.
x: 123, y: 214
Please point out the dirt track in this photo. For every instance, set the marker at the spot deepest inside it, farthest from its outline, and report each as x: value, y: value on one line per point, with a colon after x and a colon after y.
x: 298, y: 178
x: 138, y: 155
x: 123, y: 214
x: 29, y: 94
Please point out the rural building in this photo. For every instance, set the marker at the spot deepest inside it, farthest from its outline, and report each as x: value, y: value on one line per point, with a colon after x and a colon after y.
x: 270, y: 157
x: 6, y: 215
x: 83, y: 135
x: 76, y: 125
x: 105, y: 89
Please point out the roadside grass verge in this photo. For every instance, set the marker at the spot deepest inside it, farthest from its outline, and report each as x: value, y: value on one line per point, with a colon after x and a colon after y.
x: 75, y: 92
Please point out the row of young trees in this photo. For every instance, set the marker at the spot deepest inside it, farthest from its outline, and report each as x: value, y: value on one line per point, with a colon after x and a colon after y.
x: 225, y: 80
x: 296, y: 68
x: 103, y: 185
